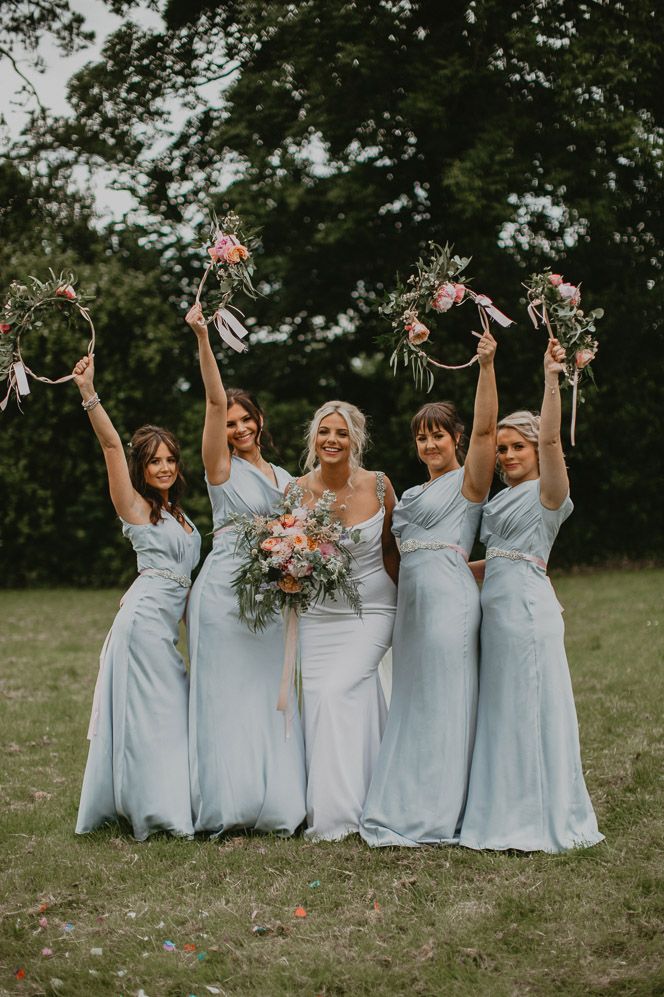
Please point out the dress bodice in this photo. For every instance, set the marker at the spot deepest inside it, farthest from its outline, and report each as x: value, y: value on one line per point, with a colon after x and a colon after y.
x: 515, y: 519
x: 438, y: 511
x: 164, y: 545
x: 246, y: 492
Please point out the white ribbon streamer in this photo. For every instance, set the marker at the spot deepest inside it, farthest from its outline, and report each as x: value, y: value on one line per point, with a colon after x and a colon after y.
x: 230, y: 329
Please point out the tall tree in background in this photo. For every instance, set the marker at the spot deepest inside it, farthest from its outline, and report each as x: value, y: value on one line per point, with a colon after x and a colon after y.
x: 526, y: 133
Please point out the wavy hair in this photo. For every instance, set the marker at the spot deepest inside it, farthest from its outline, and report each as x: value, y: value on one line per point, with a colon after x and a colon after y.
x: 238, y: 396
x: 144, y: 444
x: 357, y: 431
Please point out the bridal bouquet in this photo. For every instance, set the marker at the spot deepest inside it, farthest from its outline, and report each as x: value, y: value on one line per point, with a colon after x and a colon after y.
x: 231, y: 251
x: 293, y: 560
x: 24, y: 309
x: 437, y: 285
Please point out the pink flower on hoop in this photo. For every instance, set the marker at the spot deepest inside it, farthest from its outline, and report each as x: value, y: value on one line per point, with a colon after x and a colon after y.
x: 5, y: 328
x: 585, y: 356
x: 447, y: 295
x: 66, y: 291
x: 555, y: 279
x: 417, y: 332
x: 570, y: 292
x: 227, y: 249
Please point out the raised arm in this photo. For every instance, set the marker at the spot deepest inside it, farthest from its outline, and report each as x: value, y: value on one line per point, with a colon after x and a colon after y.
x: 554, y: 483
x: 128, y: 504
x: 216, y: 455
x: 391, y: 556
x: 481, y: 459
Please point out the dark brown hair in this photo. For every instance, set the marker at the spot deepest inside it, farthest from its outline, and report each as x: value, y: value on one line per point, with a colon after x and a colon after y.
x: 440, y: 415
x: 238, y: 396
x: 144, y: 444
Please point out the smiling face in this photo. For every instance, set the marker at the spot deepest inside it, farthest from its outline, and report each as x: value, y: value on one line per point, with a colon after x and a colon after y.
x: 242, y: 430
x: 517, y: 457
x: 437, y: 449
x: 333, y: 447
x: 161, y: 470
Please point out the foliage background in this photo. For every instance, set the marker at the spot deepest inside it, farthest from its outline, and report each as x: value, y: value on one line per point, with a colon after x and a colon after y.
x: 527, y: 133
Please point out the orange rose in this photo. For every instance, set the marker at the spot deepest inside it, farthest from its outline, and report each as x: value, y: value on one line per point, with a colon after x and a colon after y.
x: 270, y: 543
x: 236, y: 253
x: 289, y: 584
x: 311, y: 544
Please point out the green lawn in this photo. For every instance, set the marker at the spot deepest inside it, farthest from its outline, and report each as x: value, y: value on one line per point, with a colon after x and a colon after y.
x: 428, y: 921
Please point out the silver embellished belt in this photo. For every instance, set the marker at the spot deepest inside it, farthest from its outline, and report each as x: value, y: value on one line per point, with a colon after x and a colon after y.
x: 183, y: 580
x: 408, y: 546
x: 514, y: 555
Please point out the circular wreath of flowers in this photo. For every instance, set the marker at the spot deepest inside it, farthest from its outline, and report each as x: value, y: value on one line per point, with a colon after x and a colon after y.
x: 231, y: 252
x: 554, y: 303
x: 23, y: 301
x: 437, y: 285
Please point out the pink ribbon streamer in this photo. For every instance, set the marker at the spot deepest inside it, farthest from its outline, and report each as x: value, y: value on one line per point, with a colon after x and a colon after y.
x: 230, y: 329
x: 288, y: 673
x: 484, y: 302
x: 575, y: 392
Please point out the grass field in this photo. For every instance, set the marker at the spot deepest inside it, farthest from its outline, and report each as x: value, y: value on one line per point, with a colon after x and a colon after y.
x: 432, y: 921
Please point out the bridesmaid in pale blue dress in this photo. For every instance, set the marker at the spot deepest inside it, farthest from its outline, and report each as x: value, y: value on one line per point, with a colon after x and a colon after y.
x: 245, y: 771
x: 418, y: 790
x: 527, y: 789
x: 138, y: 765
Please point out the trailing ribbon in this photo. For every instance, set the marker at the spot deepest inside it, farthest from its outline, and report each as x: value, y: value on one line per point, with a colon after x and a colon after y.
x: 575, y: 391
x: 288, y: 673
x: 230, y: 329
x: 16, y: 381
x: 485, y: 304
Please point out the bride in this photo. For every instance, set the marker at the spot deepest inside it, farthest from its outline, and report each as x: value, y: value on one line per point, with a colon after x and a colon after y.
x: 343, y: 704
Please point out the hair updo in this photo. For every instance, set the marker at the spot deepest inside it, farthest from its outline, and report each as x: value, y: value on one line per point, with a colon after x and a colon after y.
x: 357, y: 432
x: 143, y: 446
x: 440, y: 415
x: 527, y: 424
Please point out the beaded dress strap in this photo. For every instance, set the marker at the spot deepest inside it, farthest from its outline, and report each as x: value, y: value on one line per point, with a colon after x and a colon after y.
x: 380, y: 487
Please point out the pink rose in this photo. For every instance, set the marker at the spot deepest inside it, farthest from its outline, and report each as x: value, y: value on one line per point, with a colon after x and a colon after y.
x: 584, y: 357
x: 4, y: 328
x: 444, y: 297
x: 556, y: 279
x: 66, y: 291
x: 417, y: 333
x: 228, y: 249
x: 459, y: 291
x: 570, y: 292
x: 327, y: 550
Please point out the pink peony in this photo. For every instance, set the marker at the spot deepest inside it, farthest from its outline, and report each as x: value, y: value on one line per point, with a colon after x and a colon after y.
x: 556, y: 279
x: 66, y: 291
x: 228, y: 249
x: 417, y: 333
x: 444, y: 297
x: 584, y: 357
x: 327, y: 550
x: 570, y: 292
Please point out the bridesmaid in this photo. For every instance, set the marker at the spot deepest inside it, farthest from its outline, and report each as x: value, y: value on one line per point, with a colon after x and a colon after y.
x: 526, y: 787
x: 138, y: 758
x: 343, y: 703
x: 245, y: 773
x: 419, y: 786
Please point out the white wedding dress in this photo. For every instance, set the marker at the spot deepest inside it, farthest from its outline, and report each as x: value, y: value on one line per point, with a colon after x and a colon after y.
x: 344, y: 706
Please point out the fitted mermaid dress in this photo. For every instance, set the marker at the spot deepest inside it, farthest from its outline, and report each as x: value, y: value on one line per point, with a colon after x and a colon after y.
x: 527, y: 789
x: 343, y: 703
x: 419, y: 786
x: 138, y: 765
x: 245, y: 771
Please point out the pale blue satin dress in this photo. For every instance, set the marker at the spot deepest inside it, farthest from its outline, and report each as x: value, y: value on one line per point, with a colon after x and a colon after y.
x: 245, y: 771
x: 527, y: 789
x: 419, y: 786
x: 138, y: 761
x: 343, y: 705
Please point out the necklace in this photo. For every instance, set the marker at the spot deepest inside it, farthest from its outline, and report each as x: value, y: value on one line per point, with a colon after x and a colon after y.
x: 338, y: 493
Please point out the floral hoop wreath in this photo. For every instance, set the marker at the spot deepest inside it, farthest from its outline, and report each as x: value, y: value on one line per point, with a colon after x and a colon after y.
x: 22, y: 302
x: 554, y: 304
x: 436, y: 285
x: 231, y: 260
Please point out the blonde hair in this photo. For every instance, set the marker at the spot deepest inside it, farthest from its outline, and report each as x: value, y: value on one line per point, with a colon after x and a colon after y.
x: 357, y: 432
x: 527, y: 424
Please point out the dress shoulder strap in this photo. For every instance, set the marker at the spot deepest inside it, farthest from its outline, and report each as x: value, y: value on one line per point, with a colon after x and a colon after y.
x: 380, y: 487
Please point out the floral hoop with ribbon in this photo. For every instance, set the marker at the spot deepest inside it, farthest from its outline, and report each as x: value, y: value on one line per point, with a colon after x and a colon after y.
x: 231, y: 259
x: 437, y: 285
x: 22, y: 303
x: 554, y: 303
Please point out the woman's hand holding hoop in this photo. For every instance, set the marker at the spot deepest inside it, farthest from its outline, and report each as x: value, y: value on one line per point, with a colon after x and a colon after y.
x: 486, y: 349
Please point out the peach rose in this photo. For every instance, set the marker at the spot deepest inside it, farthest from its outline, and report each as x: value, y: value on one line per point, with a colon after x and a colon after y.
x: 66, y: 291
x: 555, y: 279
x: 584, y: 357
x: 287, y: 521
x: 289, y: 584
x: 236, y: 253
x: 271, y: 543
x: 417, y: 333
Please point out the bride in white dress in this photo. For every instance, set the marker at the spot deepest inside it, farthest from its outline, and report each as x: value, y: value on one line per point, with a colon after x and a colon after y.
x: 343, y: 703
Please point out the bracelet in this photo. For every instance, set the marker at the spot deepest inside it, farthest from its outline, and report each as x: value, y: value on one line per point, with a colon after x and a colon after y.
x: 91, y: 403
